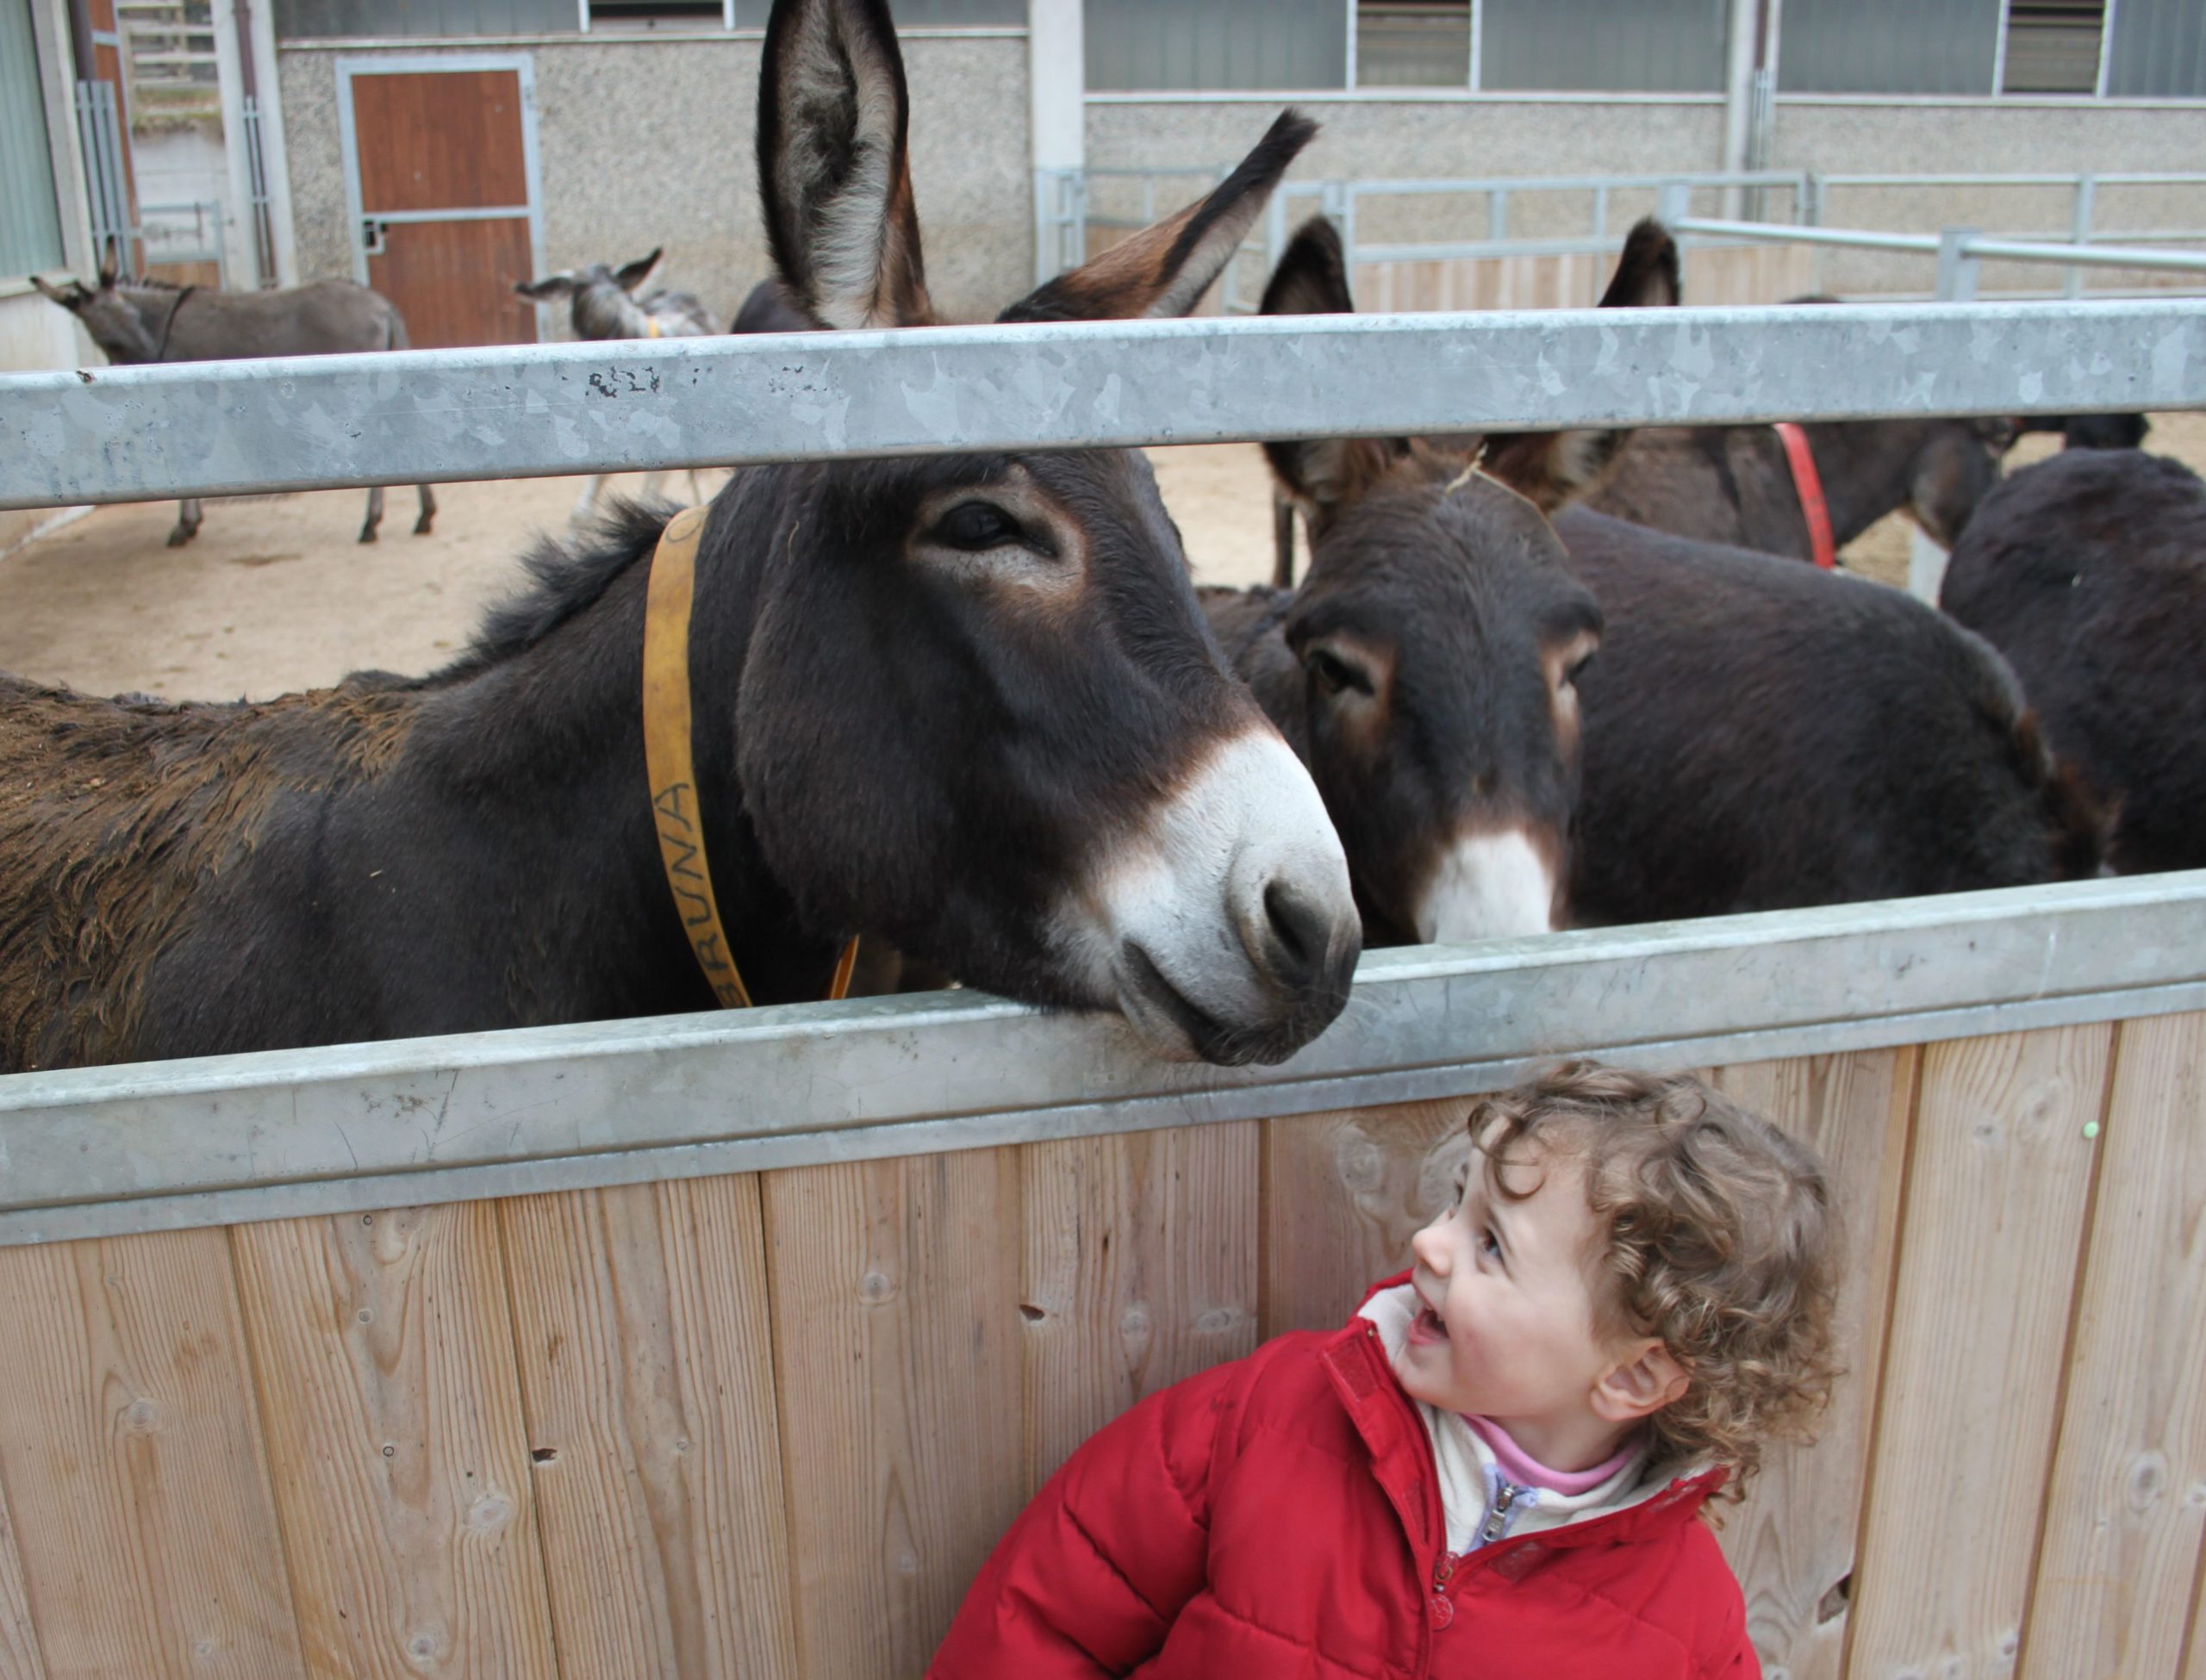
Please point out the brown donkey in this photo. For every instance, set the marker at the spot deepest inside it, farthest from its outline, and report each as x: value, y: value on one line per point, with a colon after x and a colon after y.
x: 136, y: 323
x: 1426, y: 668
x: 966, y: 703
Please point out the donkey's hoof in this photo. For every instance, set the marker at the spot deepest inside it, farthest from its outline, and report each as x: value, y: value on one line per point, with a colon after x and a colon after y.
x: 179, y: 535
x: 367, y: 533
x: 421, y: 525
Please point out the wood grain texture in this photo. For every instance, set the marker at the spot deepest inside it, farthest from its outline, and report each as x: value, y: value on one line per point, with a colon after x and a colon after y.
x: 441, y: 139
x: 2000, y: 1177
x: 1140, y: 1270
x: 386, y: 1365
x: 134, y: 1476
x: 896, y: 1360
x: 646, y: 1370
x: 1345, y: 1193
x: 2126, y: 1512
x: 19, y: 1654
x: 1791, y: 1542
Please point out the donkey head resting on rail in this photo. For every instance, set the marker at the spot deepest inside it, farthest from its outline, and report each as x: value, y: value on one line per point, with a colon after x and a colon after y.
x: 606, y: 303
x: 152, y: 321
x: 1424, y: 669
x: 967, y: 703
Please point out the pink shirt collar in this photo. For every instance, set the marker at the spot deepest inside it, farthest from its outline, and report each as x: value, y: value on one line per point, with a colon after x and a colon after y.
x: 1522, y: 1468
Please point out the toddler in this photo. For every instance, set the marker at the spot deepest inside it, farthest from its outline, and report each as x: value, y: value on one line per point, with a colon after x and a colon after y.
x: 1499, y: 1467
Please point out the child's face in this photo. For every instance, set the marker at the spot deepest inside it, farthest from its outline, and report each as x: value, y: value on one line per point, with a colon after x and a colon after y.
x: 1508, y: 1328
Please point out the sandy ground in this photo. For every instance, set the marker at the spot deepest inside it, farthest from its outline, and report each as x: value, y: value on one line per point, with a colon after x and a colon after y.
x: 275, y: 594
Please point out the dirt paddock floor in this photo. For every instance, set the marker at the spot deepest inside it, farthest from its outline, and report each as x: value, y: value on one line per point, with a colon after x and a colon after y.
x: 275, y: 594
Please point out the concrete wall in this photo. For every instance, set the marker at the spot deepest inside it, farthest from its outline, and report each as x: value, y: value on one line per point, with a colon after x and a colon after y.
x: 1389, y: 137
x: 36, y: 335
x: 652, y: 142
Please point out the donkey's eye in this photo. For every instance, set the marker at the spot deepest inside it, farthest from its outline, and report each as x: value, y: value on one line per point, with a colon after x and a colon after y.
x: 1334, y: 674
x: 977, y: 527
x: 1576, y: 669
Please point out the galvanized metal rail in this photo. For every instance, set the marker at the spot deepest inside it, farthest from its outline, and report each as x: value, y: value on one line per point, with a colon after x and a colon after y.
x: 215, y: 429
x: 89, y: 1151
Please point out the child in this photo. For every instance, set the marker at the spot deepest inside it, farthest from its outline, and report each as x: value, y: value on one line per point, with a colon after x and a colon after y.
x: 1497, y: 1469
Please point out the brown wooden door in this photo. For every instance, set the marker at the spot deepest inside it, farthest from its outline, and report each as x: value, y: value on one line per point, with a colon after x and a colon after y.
x: 445, y: 216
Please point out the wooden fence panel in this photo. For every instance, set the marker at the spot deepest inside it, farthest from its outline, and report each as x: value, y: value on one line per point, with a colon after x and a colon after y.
x: 2126, y: 1510
x: 19, y: 1657
x: 386, y: 1360
x: 1345, y: 1193
x: 894, y: 1290
x: 132, y: 1463
x: 1140, y: 1269
x: 1999, y: 1182
x: 1791, y: 1542
x: 646, y: 1368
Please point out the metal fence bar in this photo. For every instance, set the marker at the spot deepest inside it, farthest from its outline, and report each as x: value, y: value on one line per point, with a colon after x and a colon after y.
x: 285, y: 1133
x: 515, y: 411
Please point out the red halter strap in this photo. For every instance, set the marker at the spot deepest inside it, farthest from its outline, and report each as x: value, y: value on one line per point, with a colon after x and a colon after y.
x: 1808, y: 485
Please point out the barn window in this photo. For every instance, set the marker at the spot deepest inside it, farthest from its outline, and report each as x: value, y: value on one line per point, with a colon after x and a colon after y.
x: 1596, y: 46
x: 1413, y: 43
x: 1158, y: 44
x: 30, y: 213
x: 324, y: 20
x: 2157, y: 50
x: 2053, y: 46
x: 1888, y: 46
x: 654, y: 14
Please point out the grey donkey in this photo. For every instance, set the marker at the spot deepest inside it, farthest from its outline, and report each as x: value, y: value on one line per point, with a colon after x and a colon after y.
x: 608, y: 303
x: 149, y: 322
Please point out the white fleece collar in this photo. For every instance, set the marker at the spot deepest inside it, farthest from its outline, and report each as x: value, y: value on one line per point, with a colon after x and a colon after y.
x: 1470, y: 1480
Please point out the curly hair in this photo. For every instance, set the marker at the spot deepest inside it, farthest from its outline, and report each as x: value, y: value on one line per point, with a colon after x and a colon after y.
x: 1716, y: 1237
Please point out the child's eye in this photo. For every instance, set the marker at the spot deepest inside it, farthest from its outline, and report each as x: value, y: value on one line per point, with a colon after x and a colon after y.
x: 1489, y: 1244
x: 1461, y: 1185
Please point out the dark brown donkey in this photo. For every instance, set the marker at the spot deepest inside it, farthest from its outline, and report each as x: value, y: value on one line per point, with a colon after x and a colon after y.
x: 153, y: 322
x: 1759, y: 735
x: 2089, y: 572
x: 1425, y: 669
x: 964, y: 702
x: 1733, y: 484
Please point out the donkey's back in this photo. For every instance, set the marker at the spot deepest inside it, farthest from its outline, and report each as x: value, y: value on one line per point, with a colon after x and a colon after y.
x: 326, y: 318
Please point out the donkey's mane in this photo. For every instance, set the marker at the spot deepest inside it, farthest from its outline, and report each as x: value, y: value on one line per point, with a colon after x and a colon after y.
x: 564, y: 577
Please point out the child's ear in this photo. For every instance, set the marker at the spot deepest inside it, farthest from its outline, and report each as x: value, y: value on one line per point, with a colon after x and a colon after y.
x: 1639, y: 1384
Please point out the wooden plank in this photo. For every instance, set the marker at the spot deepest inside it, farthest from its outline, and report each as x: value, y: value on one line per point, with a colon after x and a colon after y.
x: 1791, y: 1541
x: 386, y: 1365
x: 1344, y: 1193
x: 1140, y: 1270
x: 2126, y: 1514
x: 895, y: 1289
x: 1999, y: 1181
x: 19, y: 1654
x: 647, y: 1374
x: 131, y: 1453
x: 441, y: 141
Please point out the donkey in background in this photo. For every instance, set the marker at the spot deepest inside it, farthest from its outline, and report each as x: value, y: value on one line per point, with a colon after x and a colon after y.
x: 140, y: 321
x: 608, y: 303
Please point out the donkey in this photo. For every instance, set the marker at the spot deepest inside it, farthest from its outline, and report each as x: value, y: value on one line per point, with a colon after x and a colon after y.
x: 148, y: 321
x: 2088, y: 571
x: 1733, y: 484
x: 1425, y: 669
x: 1761, y: 735
x: 2090, y: 431
x: 766, y: 310
x: 967, y: 703
x: 606, y: 303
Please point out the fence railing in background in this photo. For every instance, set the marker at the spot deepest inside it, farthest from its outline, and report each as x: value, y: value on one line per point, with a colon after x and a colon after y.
x: 158, y: 432
x: 106, y: 189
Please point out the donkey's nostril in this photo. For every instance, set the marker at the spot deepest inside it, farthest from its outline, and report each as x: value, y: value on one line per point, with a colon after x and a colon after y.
x: 1299, y: 927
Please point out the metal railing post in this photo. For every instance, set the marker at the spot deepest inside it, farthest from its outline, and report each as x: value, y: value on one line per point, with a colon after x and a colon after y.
x: 1956, y: 267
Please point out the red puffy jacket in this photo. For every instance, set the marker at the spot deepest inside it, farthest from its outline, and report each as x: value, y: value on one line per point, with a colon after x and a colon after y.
x: 1281, y: 1516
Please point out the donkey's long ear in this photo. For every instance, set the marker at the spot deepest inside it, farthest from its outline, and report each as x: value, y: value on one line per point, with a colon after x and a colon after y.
x: 1647, y: 273
x: 1162, y: 270
x: 73, y: 296
x: 544, y: 290
x: 629, y: 276
x: 834, y: 171
x: 1552, y: 467
x: 1322, y: 474
x: 110, y: 262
